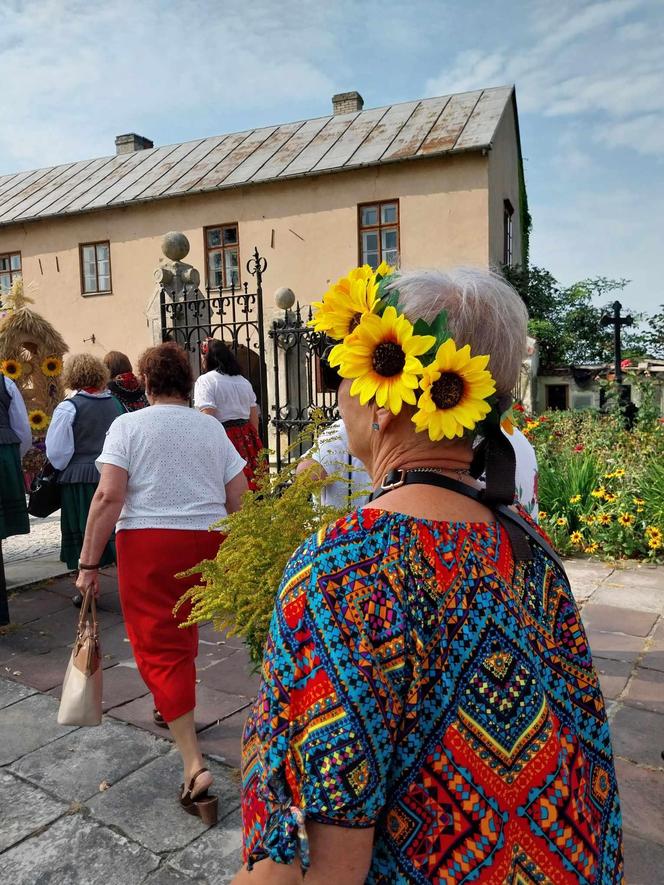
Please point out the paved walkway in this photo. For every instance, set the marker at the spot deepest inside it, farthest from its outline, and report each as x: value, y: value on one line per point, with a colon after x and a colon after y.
x: 97, y: 805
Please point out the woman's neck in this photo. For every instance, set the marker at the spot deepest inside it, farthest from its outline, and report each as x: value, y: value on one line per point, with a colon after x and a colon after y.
x: 167, y: 401
x: 452, y: 459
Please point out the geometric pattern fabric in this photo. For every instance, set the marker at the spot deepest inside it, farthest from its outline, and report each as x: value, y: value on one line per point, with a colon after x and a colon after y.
x: 417, y: 681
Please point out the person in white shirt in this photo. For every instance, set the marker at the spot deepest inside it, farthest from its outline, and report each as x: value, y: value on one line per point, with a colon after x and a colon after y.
x: 525, y: 477
x: 15, y: 440
x: 330, y: 457
x: 228, y: 396
x: 167, y: 473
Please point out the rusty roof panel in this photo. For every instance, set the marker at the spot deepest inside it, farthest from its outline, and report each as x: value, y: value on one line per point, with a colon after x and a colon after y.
x: 404, y: 131
x: 231, y: 161
x: 333, y: 129
x: 481, y: 125
x: 407, y: 142
x: 448, y: 127
x: 145, y: 180
x: 258, y: 158
x: 170, y: 181
x: 52, y: 198
x: 357, y: 133
x: 26, y: 196
x: 383, y: 134
x: 291, y: 149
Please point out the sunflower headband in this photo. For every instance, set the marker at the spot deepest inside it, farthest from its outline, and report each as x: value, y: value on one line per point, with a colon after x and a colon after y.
x: 396, y: 362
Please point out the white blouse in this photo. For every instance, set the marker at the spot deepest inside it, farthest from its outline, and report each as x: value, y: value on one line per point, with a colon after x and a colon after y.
x: 18, y: 416
x: 231, y: 396
x: 60, y: 433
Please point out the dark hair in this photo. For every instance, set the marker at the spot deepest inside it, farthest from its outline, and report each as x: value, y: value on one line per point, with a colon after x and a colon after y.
x: 117, y: 363
x: 221, y: 357
x: 166, y: 371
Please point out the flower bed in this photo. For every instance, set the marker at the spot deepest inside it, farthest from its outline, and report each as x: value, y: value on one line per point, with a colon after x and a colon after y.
x: 601, y: 487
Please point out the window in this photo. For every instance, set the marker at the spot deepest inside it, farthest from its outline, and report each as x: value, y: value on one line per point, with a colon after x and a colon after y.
x: 379, y: 233
x: 10, y: 269
x: 508, y: 233
x: 222, y: 248
x: 95, y: 268
x: 557, y: 397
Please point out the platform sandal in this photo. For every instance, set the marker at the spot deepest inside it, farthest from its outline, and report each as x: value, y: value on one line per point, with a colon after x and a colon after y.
x: 203, y: 806
x: 158, y: 719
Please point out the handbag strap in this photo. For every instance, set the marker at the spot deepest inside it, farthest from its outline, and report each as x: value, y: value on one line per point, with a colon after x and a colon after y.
x: 88, y: 612
x: 519, y: 531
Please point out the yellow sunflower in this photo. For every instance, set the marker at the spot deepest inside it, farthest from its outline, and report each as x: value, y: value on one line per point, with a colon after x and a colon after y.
x: 592, y: 548
x: 599, y: 493
x: 543, y: 514
x: 11, y: 368
x: 561, y: 521
x: 345, y: 303
x: 575, y: 499
x: 625, y: 519
x: 39, y: 420
x: 655, y: 542
x: 609, y: 497
x: 382, y: 359
x: 51, y: 366
x: 653, y: 533
x: 576, y: 538
x: 605, y: 519
x: 456, y: 388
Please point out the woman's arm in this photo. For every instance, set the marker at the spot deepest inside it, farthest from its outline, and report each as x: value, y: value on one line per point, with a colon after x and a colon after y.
x: 104, y: 513
x: 18, y: 417
x: 253, y: 417
x: 234, y: 491
x: 208, y: 412
x: 338, y: 855
x: 60, y: 435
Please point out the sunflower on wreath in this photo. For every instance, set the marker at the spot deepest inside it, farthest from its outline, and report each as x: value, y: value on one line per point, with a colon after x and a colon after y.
x: 11, y: 368
x: 39, y: 420
x: 394, y: 361
x: 51, y: 366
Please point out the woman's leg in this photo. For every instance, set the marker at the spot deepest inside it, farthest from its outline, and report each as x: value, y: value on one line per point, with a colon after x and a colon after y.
x: 183, y: 730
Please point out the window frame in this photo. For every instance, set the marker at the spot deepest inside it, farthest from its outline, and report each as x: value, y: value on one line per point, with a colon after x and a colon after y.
x: 508, y: 233
x: 379, y: 227
x: 98, y: 291
x: 13, y: 274
x: 222, y: 249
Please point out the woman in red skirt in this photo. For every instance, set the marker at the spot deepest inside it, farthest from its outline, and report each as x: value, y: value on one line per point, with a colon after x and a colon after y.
x: 167, y: 473
x: 228, y: 396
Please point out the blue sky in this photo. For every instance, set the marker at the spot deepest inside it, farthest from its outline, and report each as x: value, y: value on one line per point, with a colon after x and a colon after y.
x: 589, y: 79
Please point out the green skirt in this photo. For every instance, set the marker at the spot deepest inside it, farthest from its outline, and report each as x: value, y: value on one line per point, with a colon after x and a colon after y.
x: 76, y: 498
x: 14, y: 518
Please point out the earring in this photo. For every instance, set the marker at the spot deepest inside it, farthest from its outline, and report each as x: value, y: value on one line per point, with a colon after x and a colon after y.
x: 375, y: 425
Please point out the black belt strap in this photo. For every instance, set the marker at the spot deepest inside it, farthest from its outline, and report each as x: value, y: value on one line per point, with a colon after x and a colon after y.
x: 520, y: 532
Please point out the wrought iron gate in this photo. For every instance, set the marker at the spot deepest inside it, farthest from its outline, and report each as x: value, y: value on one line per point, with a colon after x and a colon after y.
x: 235, y: 316
x: 298, y: 384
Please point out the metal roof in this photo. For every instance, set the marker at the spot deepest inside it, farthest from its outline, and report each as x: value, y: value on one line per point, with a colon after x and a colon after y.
x: 431, y: 127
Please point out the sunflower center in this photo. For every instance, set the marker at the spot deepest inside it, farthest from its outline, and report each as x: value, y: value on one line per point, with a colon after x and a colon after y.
x: 355, y: 322
x: 388, y: 359
x: 447, y: 391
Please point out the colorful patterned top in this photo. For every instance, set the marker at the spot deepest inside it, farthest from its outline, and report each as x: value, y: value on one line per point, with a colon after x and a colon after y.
x: 416, y: 681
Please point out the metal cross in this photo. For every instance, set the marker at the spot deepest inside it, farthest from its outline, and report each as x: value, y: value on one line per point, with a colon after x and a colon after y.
x: 617, y: 321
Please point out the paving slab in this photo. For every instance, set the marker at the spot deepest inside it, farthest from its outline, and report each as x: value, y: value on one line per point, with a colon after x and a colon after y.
x: 216, y: 856
x: 77, y: 851
x: 612, y: 618
x: 74, y: 766
x: 646, y: 689
x: 168, y: 875
x: 235, y: 674
x: 647, y: 597
x: 28, y: 725
x: 28, y: 606
x: 638, y: 736
x: 11, y: 692
x: 644, y: 861
x: 42, y: 672
x: 145, y: 804
x: 641, y: 792
x: 209, y: 633
x: 613, y: 676
x: 24, y: 573
x: 616, y: 646
x: 24, y: 809
x: 223, y: 741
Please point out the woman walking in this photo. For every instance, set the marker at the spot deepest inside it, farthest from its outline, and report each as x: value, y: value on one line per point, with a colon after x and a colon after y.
x: 74, y: 440
x: 15, y: 440
x: 124, y: 385
x: 227, y: 395
x: 167, y: 474
x: 429, y: 710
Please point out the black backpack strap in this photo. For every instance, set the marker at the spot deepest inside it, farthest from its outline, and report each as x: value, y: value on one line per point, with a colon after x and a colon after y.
x: 520, y: 532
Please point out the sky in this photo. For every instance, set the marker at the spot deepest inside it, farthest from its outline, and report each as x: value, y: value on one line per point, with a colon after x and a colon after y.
x: 589, y: 78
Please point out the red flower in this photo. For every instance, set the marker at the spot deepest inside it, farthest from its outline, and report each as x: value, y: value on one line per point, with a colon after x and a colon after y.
x: 579, y: 448
x: 518, y: 407
x: 625, y: 364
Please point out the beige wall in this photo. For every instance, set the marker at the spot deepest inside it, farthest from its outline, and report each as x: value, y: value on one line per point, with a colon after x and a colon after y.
x: 444, y: 208
x: 504, y: 185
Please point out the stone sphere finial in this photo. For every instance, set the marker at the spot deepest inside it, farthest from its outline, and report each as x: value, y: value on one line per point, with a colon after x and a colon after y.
x: 284, y: 298
x: 175, y: 245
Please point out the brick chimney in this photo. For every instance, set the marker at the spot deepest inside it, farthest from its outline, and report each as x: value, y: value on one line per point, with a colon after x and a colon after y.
x: 127, y: 144
x: 347, y: 103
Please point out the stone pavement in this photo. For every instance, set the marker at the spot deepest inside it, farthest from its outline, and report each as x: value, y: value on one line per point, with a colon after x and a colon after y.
x: 30, y: 559
x: 98, y: 805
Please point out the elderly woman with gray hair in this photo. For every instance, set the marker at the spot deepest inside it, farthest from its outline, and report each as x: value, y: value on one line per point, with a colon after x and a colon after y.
x: 429, y: 710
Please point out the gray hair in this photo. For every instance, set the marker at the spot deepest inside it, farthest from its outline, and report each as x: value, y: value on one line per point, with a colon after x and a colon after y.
x: 483, y: 310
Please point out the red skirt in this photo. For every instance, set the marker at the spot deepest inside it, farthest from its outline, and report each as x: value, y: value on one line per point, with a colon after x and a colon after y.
x: 248, y: 443
x: 148, y: 560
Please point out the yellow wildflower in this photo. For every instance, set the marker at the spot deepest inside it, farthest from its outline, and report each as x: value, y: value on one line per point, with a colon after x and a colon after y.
x: 625, y: 519
x: 638, y: 501
x: 592, y: 548
x: 561, y: 521
x: 605, y: 519
x: 575, y: 499
x: 599, y: 493
x: 610, y: 498
x: 576, y: 538
x: 543, y: 514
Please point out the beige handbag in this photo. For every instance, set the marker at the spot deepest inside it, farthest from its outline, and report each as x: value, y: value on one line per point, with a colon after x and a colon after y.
x: 81, y: 689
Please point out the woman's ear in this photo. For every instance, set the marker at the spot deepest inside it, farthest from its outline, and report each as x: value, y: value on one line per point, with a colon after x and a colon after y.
x: 382, y: 417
